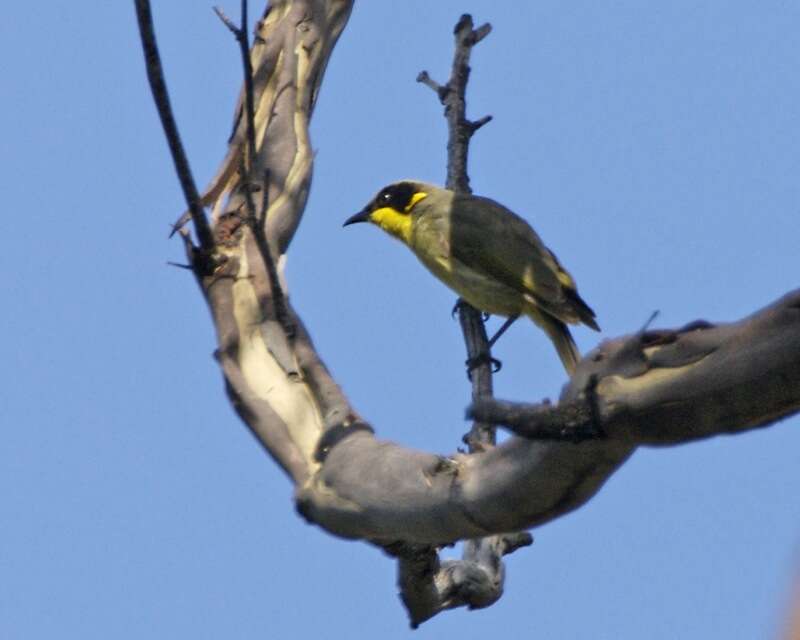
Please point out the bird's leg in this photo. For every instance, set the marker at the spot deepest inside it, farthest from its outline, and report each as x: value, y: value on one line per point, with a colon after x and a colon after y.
x: 509, y: 321
x: 486, y: 357
x: 482, y: 358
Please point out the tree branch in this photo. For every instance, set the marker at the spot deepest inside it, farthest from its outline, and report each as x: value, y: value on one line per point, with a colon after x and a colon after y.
x: 675, y: 386
x: 664, y: 387
x: 460, y: 130
x: 158, y: 86
x: 428, y: 587
x: 274, y: 377
x: 249, y: 183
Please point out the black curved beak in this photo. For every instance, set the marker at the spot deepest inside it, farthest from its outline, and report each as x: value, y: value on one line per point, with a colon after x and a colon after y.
x: 361, y: 216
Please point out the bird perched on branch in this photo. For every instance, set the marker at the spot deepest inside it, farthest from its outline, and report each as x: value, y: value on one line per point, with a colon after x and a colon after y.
x: 487, y: 254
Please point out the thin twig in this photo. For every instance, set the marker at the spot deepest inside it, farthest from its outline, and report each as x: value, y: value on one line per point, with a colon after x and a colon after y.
x: 241, y: 35
x: 428, y: 586
x: 158, y: 87
x: 262, y: 215
x: 180, y: 265
x: 477, y: 124
x: 247, y: 169
x: 227, y: 21
x: 441, y: 91
x: 460, y: 131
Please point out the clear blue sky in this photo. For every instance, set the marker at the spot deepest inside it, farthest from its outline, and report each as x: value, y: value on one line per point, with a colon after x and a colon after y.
x: 655, y: 147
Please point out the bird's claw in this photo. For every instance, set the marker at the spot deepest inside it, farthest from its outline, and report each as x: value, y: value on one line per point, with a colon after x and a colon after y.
x: 457, y: 307
x: 481, y: 359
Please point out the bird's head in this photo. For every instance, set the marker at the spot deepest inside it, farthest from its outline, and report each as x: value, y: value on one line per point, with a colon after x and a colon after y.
x: 395, y: 208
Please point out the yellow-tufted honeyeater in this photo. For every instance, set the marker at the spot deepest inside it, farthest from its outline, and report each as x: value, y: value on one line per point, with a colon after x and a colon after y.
x: 487, y: 254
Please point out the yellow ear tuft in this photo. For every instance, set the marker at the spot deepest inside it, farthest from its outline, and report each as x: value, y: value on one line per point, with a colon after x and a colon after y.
x: 419, y: 195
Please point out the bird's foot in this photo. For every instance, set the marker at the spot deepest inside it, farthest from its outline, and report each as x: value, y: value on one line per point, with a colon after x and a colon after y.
x: 480, y: 360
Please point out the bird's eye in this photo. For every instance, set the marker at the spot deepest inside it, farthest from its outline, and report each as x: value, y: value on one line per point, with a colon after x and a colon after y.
x: 396, y: 196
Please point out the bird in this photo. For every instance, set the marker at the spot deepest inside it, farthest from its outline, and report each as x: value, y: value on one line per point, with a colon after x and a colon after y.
x: 491, y: 257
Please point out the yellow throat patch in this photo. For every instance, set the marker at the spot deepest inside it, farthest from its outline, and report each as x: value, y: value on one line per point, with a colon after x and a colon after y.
x: 397, y: 223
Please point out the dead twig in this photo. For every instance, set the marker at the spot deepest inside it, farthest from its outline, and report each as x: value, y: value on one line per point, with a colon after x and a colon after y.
x: 158, y: 86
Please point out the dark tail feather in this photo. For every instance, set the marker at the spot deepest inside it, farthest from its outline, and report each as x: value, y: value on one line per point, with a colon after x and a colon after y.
x: 584, y: 311
x: 561, y: 338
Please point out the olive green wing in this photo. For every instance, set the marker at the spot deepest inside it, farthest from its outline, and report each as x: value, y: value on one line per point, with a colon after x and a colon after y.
x: 489, y: 238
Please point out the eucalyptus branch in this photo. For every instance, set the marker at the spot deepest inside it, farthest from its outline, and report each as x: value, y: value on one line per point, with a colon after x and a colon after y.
x: 460, y: 130
x: 247, y: 170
